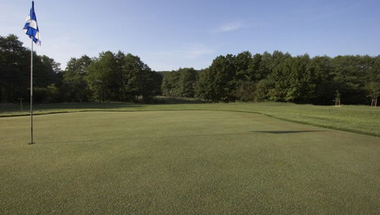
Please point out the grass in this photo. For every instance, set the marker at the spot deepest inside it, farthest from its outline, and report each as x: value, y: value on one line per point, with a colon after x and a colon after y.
x: 186, y: 162
x: 358, y: 119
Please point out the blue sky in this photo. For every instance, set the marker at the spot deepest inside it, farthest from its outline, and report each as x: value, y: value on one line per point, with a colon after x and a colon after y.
x: 169, y: 34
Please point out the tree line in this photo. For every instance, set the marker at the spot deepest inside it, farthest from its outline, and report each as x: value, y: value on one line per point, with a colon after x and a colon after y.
x: 243, y: 77
x: 108, y: 77
x: 279, y: 77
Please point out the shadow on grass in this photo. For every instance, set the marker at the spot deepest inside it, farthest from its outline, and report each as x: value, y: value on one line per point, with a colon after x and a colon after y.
x: 285, y: 132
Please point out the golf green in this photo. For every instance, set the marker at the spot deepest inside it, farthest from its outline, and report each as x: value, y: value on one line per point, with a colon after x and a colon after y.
x: 184, y: 162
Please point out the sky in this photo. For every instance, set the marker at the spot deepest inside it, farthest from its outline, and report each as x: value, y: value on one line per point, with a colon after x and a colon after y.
x: 172, y: 34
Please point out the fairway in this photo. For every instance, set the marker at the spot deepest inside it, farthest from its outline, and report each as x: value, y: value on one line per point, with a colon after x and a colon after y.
x: 184, y: 162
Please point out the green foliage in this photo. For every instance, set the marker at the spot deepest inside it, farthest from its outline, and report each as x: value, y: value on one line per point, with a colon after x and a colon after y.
x: 349, y: 77
x: 180, y: 83
x: 139, y: 78
x: 245, y: 91
x: 120, y: 77
x: 373, y: 89
x: 281, y: 77
x: 218, y: 82
x: 111, y: 76
x: 15, y: 71
x: 75, y: 87
x: 187, y: 79
x: 103, y: 77
x: 170, y: 84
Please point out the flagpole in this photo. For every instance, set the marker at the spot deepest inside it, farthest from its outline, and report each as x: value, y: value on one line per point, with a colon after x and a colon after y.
x: 31, y: 93
x: 31, y: 29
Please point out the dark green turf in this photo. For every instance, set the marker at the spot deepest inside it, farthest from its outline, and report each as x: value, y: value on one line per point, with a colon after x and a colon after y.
x: 184, y: 162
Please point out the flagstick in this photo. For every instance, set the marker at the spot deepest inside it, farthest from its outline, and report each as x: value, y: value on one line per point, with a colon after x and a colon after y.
x: 31, y: 93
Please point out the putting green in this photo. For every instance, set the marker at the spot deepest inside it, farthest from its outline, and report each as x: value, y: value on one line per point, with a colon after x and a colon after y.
x: 184, y: 162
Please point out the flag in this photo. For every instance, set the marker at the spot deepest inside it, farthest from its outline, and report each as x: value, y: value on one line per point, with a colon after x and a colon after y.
x: 31, y: 27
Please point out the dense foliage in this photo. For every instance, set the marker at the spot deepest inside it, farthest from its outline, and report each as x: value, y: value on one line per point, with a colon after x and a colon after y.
x: 243, y: 77
x: 180, y: 83
x: 109, y: 77
x: 15, y: 73
x: 284, y: 78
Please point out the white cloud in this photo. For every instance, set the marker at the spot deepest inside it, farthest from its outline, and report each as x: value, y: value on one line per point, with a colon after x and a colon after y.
x: 231, y: 26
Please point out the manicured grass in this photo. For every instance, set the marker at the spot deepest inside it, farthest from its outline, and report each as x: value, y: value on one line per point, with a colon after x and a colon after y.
x: 358, y: 119
x: 185, y: 162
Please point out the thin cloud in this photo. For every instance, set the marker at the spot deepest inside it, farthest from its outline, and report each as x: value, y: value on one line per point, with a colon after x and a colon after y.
x: 231, y: 26
x: 198, y: 51
x: 235, y: 26
x: 190, y: 52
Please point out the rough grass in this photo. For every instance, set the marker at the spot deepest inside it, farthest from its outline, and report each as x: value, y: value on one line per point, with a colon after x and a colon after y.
x: 184, y: 162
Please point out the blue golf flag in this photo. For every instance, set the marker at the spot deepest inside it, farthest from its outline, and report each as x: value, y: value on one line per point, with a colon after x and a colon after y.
x: 31, y: 27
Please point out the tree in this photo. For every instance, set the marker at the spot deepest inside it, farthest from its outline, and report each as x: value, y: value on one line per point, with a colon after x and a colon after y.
x: 242, y: 63
x: 301, y: 80
x: 244, y: 76
x: 170, y: 84
x: 373, y: 89
x: 103, y: 78
x: 180, y: 83
x: 75, y: 86
x: 121, y: 77
x: 139, y: 77
x: 202, y: 86
x: 219, y: 80
x: 258, y: 68
x: 349, y: 78
x: 245, y: 90
x: 323, y: 81
x: 280, y: 66
x: 187, y: 79
x: 14, y: 73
